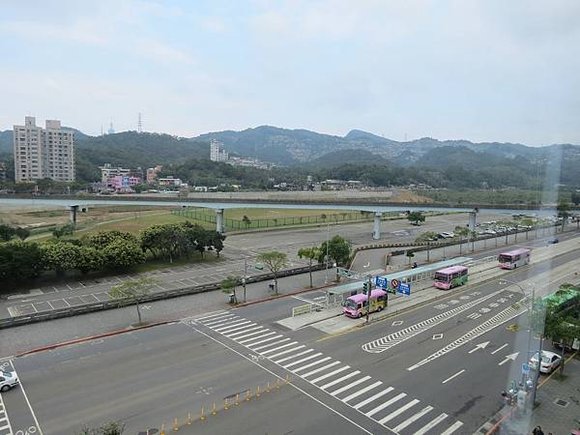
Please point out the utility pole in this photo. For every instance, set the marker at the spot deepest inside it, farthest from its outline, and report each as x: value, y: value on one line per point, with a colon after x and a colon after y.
x: 245, y: 276
x: 327, y: 243
x: 368, y: 297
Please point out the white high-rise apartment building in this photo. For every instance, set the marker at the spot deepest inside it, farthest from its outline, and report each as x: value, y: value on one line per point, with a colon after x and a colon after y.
x: 43, y: 153
x: 216, y: 152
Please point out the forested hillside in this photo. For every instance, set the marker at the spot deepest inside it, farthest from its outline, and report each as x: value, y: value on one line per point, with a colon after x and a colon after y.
x: 357, y: 156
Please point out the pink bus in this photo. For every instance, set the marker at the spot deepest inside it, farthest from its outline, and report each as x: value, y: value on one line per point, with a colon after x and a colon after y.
x: 515, y: 258
x: 450, y: 277
x: 356, y: 305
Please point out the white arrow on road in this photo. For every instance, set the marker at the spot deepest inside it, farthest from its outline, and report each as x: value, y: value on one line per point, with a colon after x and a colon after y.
x: 479, y: 346
x: 511, y: 356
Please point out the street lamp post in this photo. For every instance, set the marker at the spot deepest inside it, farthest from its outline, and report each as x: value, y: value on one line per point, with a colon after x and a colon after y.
x: 530, y: 323
x: 244, y: 277
x: 369, y: 291
x: 327, y: 243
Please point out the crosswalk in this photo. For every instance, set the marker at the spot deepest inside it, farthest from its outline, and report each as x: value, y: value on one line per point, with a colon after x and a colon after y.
x: 5, y: 428
x: 386, y: 405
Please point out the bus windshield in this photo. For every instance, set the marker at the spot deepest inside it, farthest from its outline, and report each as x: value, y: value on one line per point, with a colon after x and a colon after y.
x: 442, y: 277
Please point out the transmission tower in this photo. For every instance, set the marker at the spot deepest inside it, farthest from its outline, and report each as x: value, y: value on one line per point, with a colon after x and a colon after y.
x: 140, y: 123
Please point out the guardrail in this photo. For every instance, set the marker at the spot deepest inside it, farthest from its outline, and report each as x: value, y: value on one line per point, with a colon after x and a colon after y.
x: 168, y: 294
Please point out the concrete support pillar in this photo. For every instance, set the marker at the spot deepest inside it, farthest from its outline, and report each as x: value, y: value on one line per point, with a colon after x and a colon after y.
x: 472, y: 220
x: 219, y: 220
x: 377, y: 226
x: 73, y: 214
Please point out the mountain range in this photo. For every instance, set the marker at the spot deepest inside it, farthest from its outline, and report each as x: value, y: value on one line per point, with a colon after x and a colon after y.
x: 285, y: 147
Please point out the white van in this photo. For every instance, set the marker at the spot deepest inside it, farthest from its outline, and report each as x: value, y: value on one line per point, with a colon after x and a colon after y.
x: 7, y: 380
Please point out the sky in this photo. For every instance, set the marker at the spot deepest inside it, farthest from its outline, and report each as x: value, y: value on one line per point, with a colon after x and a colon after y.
x: 481, y: 70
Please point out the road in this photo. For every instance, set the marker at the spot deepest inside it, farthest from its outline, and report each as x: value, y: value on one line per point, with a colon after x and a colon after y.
x: 238, y: 257
x: 436, y: 369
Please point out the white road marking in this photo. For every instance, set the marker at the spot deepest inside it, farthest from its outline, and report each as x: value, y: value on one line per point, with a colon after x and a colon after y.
x: 234, y: 326
x: 278, y: 377
x: 412, y: 419
x: 454, y: 376
x: 398, y: 411
x: 510, y: 357
x: 27, y: 401
x: 237, y: 328
x: 452, y: 428
x: 479, y: 346
x: 431, y: 424
x: 339, y: 380
x: 498, y: 349
x: 328, y: 375
x: 291, y: 356
x: 312, y: 364
x: 3, y: 411
x: 264, y: 333
x: 223, y: 321
x: 385, y: 404
x: 495, y: 321
x: 292, y: 343
x: 373, y: 398
x: 391, y: 340
x: 303, y: 360
x: 264, y: 340
x: 286, y: 351
x: 258, y: 330
x: 359, y: 392
x: 284, y: 340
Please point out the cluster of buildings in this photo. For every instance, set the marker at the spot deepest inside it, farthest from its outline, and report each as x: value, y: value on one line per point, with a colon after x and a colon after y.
x: 43, y: 152
x: 123, y: 180
x: 217, y: 153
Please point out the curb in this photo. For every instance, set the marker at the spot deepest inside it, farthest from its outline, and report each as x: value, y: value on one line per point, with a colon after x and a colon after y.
x: 91, y: 337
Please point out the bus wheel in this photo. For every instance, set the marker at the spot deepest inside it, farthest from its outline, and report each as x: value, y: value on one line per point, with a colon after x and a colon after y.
x: 380, y: 308
x: 359, y: 315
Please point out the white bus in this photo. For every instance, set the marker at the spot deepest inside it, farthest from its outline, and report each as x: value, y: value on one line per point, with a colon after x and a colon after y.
x: 515, y: 258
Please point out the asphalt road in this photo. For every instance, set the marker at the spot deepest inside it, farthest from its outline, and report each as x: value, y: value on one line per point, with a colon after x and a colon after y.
x: 239, y: 256
x: 438, y: 369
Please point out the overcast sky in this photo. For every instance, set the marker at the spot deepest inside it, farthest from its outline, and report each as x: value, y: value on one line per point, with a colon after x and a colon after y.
x: 484, y: 70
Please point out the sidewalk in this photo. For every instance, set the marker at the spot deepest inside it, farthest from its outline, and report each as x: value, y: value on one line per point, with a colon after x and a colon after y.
x: 422, y: 292
x: 558, y: 409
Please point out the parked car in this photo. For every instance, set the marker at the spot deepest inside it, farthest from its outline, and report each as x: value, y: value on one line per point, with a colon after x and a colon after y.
x: 550, y: 361
x: 553, y: 241
x: 7, y: 380
x: 445, y: 235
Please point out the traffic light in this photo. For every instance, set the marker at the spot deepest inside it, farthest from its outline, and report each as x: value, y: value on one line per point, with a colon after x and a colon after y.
x: 366, y: 287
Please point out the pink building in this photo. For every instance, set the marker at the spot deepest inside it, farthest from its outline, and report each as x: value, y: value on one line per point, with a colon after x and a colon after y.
x: 123, y: 183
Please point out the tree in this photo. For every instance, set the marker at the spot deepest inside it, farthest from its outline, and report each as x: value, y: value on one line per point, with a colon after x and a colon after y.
x: 133, y: 291
x: 427, y: 237
x: 65, y: 230
x: 89, y: 259
x: 274, y: 261
x: 416, y: 217
x: 6, y: 232
x: 20, y: 261
x: 312, y: 254
x: 575, y: 197
x: 60, y: 256
x: 230, y: 284
x: 462, y: 232
x: 22, y: 233
x: 122, y: 255
x: 339, y: 250
x: 247, y: 222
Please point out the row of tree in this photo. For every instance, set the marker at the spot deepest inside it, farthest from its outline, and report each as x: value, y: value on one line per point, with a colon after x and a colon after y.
x: 334, y: 252
x: 105, y: 251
